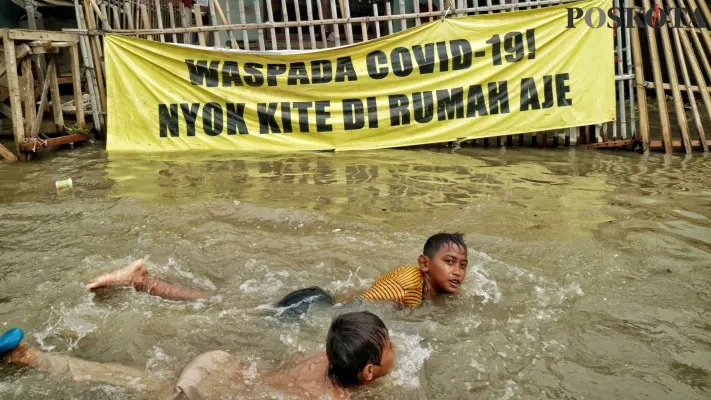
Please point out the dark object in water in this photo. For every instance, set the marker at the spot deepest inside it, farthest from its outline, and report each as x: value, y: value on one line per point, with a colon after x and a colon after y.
x: 299, y: 301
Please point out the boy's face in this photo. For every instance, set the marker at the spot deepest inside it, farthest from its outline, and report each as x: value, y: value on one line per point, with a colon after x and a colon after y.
x: 446, y: 271
x: 387, y: 361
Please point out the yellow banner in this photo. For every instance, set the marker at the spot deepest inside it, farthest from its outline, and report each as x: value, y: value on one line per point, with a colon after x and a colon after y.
x: 452, y: 79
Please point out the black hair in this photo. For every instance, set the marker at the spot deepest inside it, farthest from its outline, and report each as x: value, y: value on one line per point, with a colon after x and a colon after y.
x: 436, y: 241
x: 355, y: 340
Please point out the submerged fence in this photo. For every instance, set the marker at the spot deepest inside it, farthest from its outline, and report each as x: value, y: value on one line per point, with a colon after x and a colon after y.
x: 309, y: 24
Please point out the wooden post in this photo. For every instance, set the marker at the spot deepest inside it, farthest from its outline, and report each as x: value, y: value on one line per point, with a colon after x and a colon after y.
x: 641, y: 92
x: 76, y: 83
x: 129, y: 15
x: 676, y: 93
x: 363, y: 32
x: 377, y: 23
x: 704, y: 35
x: 403, y: 21
x: 93, y: 50
x: 159, y: 19
x: 198, y: 22
x: 13, y: 86
x: 389, y: 12
x: 56, y: 98
x: 116, y: 16
x: 91, y: 78
x: 416, y: 10
x: 657, y: 72
x: 28, y: 82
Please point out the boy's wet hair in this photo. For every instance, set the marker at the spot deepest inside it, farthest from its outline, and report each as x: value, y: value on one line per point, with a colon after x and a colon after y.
x: 436, y: 241
x: 354, y: 340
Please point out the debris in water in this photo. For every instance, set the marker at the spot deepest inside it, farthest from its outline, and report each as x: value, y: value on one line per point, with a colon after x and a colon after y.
x: 64, y: 184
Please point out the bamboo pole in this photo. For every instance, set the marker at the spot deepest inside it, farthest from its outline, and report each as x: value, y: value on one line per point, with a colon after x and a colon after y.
x: 416, y: 9
x: 270, y: 18
x: 705, y: 35
x: 403, y: 21
x: 28, y: 81
x: 116, y: 16
x: 299, y: 34
x: 641, y: 92
x: 260, y: 32
x: 225, y: 21
x: 620, y: 84
x: 389, y: 13
x: 184, y: 21
x: 76, y: 85
x: 89, y: 15
x: 310, y: 16
x: 171, y: 20
x: 676, y: 93
x: 56, y: 97
x: 213, y: 20
x: 657, y: 73
x: 630, y: 83
x: 322, y: 27
x: 336, y: 30
x: 689, y: 92
x: 92, y: 49
x: 105, y: 16
x: 90, y: 71
x: 285, y: 17
x: 129, y: 15
x: 243, y: 20
x: 698, y: 75
x: 377, y: 24
x: 159, y: 19
x: 146, y: 21
x: 198, y: 23
x: 349, y: 27
x: 363, y: 32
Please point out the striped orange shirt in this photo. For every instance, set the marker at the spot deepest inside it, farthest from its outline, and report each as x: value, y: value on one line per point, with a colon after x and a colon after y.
x: 403, y: 285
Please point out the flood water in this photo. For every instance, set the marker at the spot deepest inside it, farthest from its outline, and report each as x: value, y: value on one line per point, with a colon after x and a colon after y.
x: 588, y: 279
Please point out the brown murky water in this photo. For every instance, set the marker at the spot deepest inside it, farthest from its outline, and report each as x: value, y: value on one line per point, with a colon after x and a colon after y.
x: 589, y: 274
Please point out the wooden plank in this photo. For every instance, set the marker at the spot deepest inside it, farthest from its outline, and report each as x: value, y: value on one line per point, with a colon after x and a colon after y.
x: 20, y: 52
x: 159, y: 19
x: 657, y: 144
x: 612, y: 144
x: 198, y: 22
x: 76, y: 84
x: 24, y: 34
x: 13, y: 86
x: 270, y: 19
x: 34, y: 143
x: 56, y: 97
x: 674, y: 81
x: 28, y: 81
x: 657, y: 72
x: 225, y: 21
x: 310, y: 16
x: 43, y: 101
x: 641, y: 92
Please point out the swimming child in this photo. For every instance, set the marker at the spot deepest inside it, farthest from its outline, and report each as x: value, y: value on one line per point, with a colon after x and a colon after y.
x: 441, y: 269
x: 358, y: 351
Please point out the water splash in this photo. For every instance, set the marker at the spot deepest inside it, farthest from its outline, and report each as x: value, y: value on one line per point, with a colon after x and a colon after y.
x: 411, y: 356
